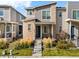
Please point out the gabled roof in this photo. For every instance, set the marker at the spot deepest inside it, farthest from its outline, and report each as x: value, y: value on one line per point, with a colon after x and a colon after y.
x: 41, y: 5
x: 8, y: 6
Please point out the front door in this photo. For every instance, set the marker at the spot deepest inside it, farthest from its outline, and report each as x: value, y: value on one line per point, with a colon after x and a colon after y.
x: 38, y: 32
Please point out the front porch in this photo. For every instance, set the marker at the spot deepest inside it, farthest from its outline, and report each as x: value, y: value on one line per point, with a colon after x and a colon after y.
x: 43, y: 29
x: 8, y: 30
x: 73, y: 30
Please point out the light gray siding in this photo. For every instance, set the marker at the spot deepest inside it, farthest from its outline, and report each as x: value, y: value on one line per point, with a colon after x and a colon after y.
x: 70, y: 7
x: 6, y: 12
x: 58, y: 20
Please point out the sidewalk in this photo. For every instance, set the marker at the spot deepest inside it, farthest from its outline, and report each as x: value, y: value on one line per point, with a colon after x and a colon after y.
x: 37, y: 52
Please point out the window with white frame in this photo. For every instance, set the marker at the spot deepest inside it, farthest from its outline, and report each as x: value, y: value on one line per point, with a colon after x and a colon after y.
x: 29, y: 12
x: 1, y: 12
x: 46, y: 14
x: 75, y: 14
x: 46, y: 29
x: 8, y: 28
x: 29, y: 27
x: 60, y: 14
x: 21, y: 17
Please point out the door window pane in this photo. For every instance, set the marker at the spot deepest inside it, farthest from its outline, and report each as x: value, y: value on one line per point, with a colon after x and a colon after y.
x: 72, y: 31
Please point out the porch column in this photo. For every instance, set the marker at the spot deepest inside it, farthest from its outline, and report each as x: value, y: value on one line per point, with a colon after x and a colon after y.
x: 12, y: 31
x: 52, y: 31
x: 41, y: 30
x: 5, y: 30
x: 70, y: 29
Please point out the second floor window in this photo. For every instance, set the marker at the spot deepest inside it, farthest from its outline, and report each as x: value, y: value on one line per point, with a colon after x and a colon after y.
x: 1, y: 13
x: 21, y: 17
x: 60, y: 14
x: 45, y: 14
x: 76, y: 14
x: 29, y: 12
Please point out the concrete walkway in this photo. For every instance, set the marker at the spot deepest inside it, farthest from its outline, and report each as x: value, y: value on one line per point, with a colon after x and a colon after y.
x: 37, y: 52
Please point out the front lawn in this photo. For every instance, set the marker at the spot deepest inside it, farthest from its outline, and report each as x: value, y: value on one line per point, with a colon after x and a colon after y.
x: 23, y: 52
x: 60, y: 52
x: 21, y: 47
x: 1, y: 52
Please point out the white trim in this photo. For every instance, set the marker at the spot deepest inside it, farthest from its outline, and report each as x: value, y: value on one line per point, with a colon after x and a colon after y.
x: 41, y: 31
x: 72, y: 12
x: 72, y: 20
x: 70, y: 29
x: 46, y: 9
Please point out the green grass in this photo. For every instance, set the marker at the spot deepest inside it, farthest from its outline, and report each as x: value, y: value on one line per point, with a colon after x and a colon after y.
x: 1, y: 52
x: 60, y: 52
x: 21, y: 52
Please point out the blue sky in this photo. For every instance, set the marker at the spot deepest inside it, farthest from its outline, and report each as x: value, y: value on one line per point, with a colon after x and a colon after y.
x: 38, y: 3
x: 21, y: 5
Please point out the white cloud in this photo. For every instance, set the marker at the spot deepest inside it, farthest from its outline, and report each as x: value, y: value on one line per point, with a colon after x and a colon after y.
x: 15, y: 3
x: 19, y: 5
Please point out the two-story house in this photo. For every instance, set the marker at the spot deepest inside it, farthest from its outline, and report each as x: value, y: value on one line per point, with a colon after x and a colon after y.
x: 49, y: 20
x: 45, y: 20
x: 9, y: 22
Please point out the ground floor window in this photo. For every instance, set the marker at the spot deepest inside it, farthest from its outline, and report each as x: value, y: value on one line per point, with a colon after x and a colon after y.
x: 46, y: 29
x: 29, y: 27
x: 72, y: 32
x: 8, y: 28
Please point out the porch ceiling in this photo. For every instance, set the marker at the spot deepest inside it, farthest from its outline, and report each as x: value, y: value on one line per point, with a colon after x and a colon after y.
x: 73, y: 21
x: 8, y: 22
x: 44, y: 23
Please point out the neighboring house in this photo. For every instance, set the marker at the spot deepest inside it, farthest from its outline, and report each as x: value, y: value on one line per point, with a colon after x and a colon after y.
x: 43, y: 21
x: 72, y: 21
x: 9, y: 22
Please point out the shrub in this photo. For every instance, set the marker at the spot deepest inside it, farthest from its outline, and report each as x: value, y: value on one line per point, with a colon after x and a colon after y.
x: 54, y: 43
x: 46, y: 35
x: 23, y: 43
x: 29, y: 42
x: 14, y: 44
x: 71, y: 45
x: 3, y: 44
x: 47, y: 42
x: 62, y: 44
x: 61, y: 35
